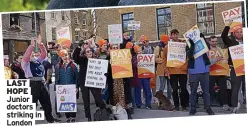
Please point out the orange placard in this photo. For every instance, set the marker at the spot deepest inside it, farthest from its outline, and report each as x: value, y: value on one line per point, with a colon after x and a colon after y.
x: 121, y: 63
x: 237, y: 54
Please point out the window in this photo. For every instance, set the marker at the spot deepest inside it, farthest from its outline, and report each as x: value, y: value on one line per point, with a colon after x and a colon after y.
x: 205, y: 18
x: 125, y: 19
x: 163, y: 21
x: 53, y: 33
x: 36, y: 19
x: 75, y: 18
x: 84, y: 19
x: 53, y: 16
x: 76, y: 35
x: 14, y: 19
x: 62, y: 15
x: 6, y: 45
x: 84, y: 35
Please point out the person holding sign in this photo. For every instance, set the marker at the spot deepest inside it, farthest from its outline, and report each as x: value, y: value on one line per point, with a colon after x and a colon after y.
x: 80, y: 57
x: 177, y: 75
x: 164, y: 79
x: 198, y: 70
x: 34, y: 70
x: 145, y: 82
x: 219, y: 70
x: 66, y: 73
x: 236, y: 80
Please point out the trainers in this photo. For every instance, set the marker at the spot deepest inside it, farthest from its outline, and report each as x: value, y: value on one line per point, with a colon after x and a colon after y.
x: 226, y: 107
x: 73, y: 120
x: 68, y: 120
x: 54, y: 121
x: 89, y: 119
x: 210, y: 111
x: 177, y: 108
x: 192, y: 112
x: 148, y: 107
x: 138, y: 107
x: 235, y: 110
x: 58, y: 115
x: 184, y: 109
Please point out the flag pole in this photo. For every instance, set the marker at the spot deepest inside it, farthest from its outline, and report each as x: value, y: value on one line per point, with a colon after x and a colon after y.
x: 35, y: 32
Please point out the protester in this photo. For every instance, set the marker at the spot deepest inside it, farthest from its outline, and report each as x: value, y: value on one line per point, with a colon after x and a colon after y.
x: 236, y: 38
x: 34, y: 70
x: 48, y: 72
x: 66, y: 73
x: 9, y: 73
x: 144, y: 82
x: 159, y: 57
x: 198, y: 70
x: 80, y: 57
x: 220, y: 80
x: 16, y: 66
x: 177, y: 75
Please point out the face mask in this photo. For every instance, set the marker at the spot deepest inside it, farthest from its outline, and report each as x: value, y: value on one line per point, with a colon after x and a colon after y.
x: 33, y: 59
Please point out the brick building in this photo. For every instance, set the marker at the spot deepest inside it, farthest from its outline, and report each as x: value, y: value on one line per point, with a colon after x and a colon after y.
x: 79, y: 23
x: 18, y: 29
x: 157, y: 20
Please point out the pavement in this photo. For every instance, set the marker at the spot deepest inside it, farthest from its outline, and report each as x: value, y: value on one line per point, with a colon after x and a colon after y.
x: 138, y: 113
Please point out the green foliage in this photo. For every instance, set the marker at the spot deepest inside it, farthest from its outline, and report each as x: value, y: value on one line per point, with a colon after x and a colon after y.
x: 22, y: 5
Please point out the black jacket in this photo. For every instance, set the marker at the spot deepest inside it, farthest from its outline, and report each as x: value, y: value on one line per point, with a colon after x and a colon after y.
x: 18, y: 70
x: 190, y: 55
x: 229, y: 42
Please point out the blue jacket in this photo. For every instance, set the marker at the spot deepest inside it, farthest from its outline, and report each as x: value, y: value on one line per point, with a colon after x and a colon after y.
x: 66, y: 75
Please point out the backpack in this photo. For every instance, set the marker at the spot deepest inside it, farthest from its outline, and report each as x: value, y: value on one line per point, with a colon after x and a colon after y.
x: 104, y: 115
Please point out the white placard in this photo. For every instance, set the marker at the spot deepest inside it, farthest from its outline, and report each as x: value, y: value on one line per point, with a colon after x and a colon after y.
x: 96, y: 70
x: 115, y: 34
x: 133, y: 25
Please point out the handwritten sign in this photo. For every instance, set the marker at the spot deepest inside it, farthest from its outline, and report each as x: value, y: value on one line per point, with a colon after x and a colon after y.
x: 176, y: 56
x: 66, y: 98
x: 200, y: 44
x: 237, y: 55
x: 115, y: 34
x: 133, y: 25
x: 220, y: 67
x: 121, y: 63
x: 96, y: 70
x: 235, y: 15
x: 146, y: 65
x: 64, y: 37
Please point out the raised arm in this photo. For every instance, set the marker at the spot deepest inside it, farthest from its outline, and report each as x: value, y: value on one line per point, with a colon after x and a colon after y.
x: 227, y: 41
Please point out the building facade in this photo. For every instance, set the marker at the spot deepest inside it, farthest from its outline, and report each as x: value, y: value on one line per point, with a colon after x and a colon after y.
x: 19, y: 29
x: 157, y: 20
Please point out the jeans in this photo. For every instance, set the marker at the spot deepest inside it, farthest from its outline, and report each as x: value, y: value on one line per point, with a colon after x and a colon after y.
x: 165, y: 81
x: 194, y: 80
x: 133, y: 97
x: 145, y: 83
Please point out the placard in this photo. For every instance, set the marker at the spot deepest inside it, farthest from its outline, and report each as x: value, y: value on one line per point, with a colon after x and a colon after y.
x: 64, y: 37
x: 237, y: 55
x: 133, y: 25
x: 146, y: 65
x: 115, y: 34
x: 121, y: 63
x: 220, y: 67
x: 235, y: 15
x: 66, y: 98
x: 200, y: 44
x: 176, y: 55
x: 95, y: 76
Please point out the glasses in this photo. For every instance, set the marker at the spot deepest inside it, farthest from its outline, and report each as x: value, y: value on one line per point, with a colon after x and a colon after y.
x: 88, y: 51
x: 115, y: 47
x: 85, y: 43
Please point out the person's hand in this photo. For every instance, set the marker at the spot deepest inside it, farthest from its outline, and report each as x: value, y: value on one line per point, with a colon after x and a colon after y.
x: 229, y: 22
x: 32, y: 42
x: 76, y: 90
x: 39, y: 40
x: 191, y: 42
x: 202, y: 35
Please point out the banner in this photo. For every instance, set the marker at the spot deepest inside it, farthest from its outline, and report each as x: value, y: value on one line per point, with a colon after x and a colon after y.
x: 221, y: 67
x: 146, y: 65
x: 96, y: 70
x: 66, y: 98
x: 200, y: 44
x: 121, y: 63
x: 115, y: 34
x: 176, y: 56
x: 64, y: 37
x: 235, y: 15
x: 237, y: 55
x: 133, y: 25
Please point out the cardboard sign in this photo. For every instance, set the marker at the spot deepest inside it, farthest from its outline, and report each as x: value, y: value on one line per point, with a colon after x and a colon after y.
x: 64, y: 37
x: 96, y: 70
x: 121, y: 63
x: 115, y: 34
x: 133, y: 25
x: 221, y: 67
x: 200, y: 44
x: 176, y: 56
x: 235, y: 15
x: 66, y: 98
x: 237, y: 55
x: 146, y: 65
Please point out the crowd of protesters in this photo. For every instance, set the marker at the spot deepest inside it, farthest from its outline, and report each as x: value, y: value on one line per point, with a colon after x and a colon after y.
x: 71, y: 67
